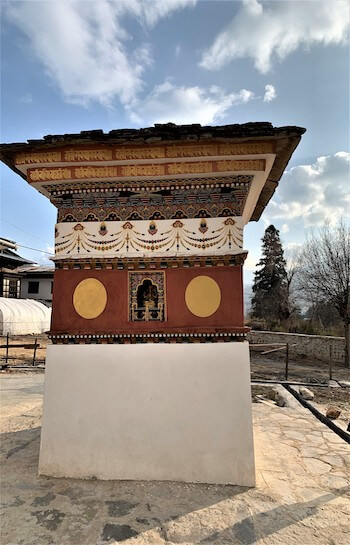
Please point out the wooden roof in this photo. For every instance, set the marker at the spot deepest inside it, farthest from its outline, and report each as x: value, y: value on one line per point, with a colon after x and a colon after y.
x: 286, y: 139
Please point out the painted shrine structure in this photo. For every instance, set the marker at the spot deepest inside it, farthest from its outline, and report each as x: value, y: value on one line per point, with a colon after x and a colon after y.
x: 148, y: 373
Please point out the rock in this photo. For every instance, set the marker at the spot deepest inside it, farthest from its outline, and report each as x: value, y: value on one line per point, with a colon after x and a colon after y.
x: 344, y: 383
x: 271, y: 394
x: 306, y: 393
x: 281, y: 399
x: 333, y: 384
x: 333, y: 413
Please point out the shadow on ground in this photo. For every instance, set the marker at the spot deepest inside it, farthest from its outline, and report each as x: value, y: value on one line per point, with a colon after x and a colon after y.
x: 43, y: 511
x: 251, y: 529
x: 77, y: 511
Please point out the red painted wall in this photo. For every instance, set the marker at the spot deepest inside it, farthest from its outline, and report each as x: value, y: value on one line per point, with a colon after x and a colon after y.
x: 114, y: 318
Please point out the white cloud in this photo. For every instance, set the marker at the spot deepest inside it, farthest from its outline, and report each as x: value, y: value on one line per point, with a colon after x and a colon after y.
x: 266, y: 31
x: 45, y: 256
x: 293, y: 246
x: 27, y: 99
x: 270, y: 93
x: 153, y: 10
x: 84, y: 46
x: 167, y: 102
x: 311, y: 194
x: 251, y: 260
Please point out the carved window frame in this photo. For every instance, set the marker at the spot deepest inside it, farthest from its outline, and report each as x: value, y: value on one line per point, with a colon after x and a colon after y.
x: 135, y: 280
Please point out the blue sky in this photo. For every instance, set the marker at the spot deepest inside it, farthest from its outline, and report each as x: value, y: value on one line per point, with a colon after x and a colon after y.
x: 72, y: 65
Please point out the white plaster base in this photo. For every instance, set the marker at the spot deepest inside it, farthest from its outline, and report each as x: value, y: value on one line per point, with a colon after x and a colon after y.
x: 179, y: 412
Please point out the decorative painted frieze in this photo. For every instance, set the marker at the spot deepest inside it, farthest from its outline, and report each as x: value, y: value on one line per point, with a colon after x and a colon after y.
x: 135, y: 338
x: 149, y: 152
x: 149, y: 262
x: 202, y: 236
x: 43, y: 174
x: 143, y: 185
x: 165, y: 204
x: 125, y: 153
x: 140, y: 170
x: 42, y: 157
x: 88, y: 155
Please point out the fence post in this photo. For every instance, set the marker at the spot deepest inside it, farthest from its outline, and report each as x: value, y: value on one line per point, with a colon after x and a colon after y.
x: 330, y: 362
x: 287, y: 360
x: 7, y: 348
x: 35, y: 345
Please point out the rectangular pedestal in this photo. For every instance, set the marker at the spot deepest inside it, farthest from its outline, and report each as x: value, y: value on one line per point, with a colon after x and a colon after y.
x: 179, y: 412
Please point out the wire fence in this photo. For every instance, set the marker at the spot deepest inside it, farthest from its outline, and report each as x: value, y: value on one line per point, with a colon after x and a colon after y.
x: 7, y: 359
x: 284, y: 367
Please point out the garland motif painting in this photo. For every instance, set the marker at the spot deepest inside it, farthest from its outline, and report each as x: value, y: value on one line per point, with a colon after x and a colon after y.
x: 199, y: 236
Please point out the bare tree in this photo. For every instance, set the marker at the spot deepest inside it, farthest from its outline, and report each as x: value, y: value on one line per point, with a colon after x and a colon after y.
x: 325, y: 272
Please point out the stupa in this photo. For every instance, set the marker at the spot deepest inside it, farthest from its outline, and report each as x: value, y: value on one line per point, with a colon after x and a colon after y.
x: 148, y: 373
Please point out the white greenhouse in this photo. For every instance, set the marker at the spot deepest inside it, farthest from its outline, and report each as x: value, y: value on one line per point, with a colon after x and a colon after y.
x: 23, y: 317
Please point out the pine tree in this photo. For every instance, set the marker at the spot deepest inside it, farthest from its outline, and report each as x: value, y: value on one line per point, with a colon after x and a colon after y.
x: 270, y: 288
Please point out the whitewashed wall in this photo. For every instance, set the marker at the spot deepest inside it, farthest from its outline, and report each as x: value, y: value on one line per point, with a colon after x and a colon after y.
x: 179, y: 412
x: 44, y: 289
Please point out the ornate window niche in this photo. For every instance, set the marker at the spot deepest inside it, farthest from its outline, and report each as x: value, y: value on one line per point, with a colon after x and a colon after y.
x: 146, y: 296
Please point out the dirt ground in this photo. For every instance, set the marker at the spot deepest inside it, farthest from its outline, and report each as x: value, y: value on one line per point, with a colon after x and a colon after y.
x: 24, y: 356
x: 312, y: 371
x: 339, y: 397
x: 272, y: 367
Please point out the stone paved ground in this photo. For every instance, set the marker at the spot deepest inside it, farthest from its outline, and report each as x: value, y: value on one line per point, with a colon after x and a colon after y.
x: 302, y: 494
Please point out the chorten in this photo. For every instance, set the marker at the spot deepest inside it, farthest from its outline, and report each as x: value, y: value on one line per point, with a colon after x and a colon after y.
x: 148, y: 373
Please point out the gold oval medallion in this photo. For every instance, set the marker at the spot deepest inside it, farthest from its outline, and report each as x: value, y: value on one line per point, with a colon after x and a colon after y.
x: 203, y: 296
x: 90, y: 298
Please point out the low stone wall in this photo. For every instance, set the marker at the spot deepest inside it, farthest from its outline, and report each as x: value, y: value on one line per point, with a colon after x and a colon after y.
x: 314, y: 346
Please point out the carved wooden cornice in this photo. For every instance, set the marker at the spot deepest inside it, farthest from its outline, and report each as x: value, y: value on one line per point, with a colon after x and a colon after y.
x: 158, y: 143
x: 151, y: 263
